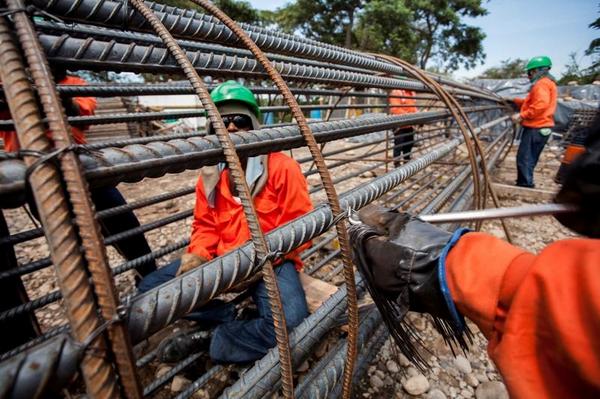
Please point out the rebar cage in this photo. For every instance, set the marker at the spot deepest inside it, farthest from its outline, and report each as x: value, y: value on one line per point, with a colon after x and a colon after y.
x: 71, y: 319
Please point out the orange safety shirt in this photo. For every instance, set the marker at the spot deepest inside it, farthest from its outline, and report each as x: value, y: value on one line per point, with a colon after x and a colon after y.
x: 87, y: 107
x: 540, y: 313
x: 219, y: 229
x: 537, y: 109
x: 403, y: 105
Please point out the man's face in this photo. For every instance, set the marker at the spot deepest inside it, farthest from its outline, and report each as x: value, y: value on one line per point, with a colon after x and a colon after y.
x: 237, y: 122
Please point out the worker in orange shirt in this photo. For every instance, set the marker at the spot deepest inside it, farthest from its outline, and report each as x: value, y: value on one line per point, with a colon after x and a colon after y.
x: 536, y: 117
x: 402, y: 102
x: 280, y: 194
x: 540, y: 313
x: 131, y: 247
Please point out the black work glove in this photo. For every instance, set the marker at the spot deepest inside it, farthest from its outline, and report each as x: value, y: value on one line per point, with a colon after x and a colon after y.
x: 582, y: 188
x: 399, y: 257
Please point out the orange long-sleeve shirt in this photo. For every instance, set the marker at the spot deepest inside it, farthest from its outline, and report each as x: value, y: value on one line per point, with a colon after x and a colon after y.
x: 87, y: 107
x: 284, y: 197
x: 540, y: 313
x: 537, y: 109
x: 399, y: 106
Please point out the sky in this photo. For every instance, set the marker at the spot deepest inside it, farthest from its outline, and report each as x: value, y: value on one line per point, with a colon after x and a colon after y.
x: 524, y: 29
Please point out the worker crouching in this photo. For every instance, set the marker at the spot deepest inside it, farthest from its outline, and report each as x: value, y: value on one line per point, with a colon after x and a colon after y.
x: 280, y: 194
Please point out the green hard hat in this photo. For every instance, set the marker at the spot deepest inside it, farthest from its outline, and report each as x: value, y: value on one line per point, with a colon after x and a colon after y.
x: 233, y: 91
x: 539, y: 62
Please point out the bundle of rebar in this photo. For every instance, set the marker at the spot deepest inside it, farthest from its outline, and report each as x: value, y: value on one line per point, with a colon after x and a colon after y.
x: 74, y: 322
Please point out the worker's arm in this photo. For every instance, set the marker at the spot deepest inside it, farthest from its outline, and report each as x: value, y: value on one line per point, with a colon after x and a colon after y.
x: 205, y: 237
x: 518, y: 101
x: 540, y: 100
x: 539, y: 313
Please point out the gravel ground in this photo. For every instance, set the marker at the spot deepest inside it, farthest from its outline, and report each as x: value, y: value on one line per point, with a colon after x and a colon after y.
x: 470, y: 374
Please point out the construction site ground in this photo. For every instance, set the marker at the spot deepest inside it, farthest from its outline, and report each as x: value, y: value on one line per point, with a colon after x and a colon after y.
x: 390, y: 375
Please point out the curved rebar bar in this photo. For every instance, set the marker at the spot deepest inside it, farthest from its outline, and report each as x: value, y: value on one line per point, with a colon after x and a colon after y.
x: 237, y: 173
x: 87, y: 226
x: 330, y: 190
x: 55, y: 215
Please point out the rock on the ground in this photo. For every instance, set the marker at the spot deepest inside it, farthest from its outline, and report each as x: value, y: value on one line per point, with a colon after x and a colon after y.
x: 416, y: 385
x: 392, y: 366
x: 404, y: 362
x: 162, y: 370
x: 472, y: 380
x: 376, y: 382
x: 463, y: 364
x: 491, y: 390
x: 179, y: 383
x: 436, y: 394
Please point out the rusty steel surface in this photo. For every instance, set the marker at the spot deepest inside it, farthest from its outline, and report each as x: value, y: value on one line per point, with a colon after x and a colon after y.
x: 91, y: 348
x: 56, y: 216
x: 238, y: 175
x: 330, y: 191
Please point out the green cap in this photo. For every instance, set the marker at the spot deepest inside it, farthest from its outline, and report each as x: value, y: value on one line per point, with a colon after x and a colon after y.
x: 233, y: 91
x: 538, y: 62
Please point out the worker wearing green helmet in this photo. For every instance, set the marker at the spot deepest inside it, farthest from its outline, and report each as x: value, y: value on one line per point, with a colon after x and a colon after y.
x: 280, y: 194
x: 536, y: 116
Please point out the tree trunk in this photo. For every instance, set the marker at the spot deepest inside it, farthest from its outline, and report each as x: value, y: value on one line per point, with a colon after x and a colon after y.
x: 348, y: 39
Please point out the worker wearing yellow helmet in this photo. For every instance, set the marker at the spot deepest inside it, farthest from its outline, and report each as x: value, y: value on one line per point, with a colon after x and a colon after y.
x: 536, y: 117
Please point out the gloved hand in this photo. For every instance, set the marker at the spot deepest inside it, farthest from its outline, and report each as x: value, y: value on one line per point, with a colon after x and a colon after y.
x: 190, y: 261
x: 581, y: 188
x: 399, y: 257
x: 516, y: 118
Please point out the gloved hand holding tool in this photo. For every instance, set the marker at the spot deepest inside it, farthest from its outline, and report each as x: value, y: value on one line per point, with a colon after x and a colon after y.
x: 402, y: 259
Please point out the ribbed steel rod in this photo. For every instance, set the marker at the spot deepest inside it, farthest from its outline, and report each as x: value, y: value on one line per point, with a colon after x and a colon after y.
x: 98, y: 54
x: 183, y: 87
x: 131, y: 164
x: 113, y: 14
x: 323, y: 383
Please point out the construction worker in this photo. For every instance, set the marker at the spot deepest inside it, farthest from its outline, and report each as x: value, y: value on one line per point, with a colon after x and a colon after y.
x: 280, y: 194
x: 403, y: 102
x: 540, y: 313
x: 536, y: 117
x: 103, y: 198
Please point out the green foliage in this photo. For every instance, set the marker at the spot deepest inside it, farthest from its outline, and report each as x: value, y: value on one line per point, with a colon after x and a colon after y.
x: 421, y: 31
x: 508, y: 69
x: 593, y: 49
x: 574, y: 73
x: 330, y: 21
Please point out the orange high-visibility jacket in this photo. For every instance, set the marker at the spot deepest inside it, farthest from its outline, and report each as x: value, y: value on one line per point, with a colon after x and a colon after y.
x: 284, y: 197
x: 403, y: 105
x: 87, y: 107
x: 537, y: 109
x: 540, y: 313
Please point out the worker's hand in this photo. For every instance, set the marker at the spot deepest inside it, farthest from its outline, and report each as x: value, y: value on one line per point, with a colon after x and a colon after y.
x: 190, y: 261
x: 70, y: 106
x: 516, y: 118
x: 581, y: 188
x: 398, y: 255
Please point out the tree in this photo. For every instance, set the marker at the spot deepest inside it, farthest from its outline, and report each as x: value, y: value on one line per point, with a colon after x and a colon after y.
x: 594, y: 48
x: 508, y: 69
x: 441, y: 35
x: 420, y: 31
x: 330, y: 21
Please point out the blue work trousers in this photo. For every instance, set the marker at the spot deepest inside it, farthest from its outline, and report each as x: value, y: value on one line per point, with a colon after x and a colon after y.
x: 530, y: 148
x: 243, y: 341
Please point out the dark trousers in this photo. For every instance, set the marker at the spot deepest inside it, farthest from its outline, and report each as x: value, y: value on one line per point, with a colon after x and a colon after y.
x: 242, y: 341
x: 131, y: 247
x: 21, y: 328
x: 530, y: 148
x: 404, y: 138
